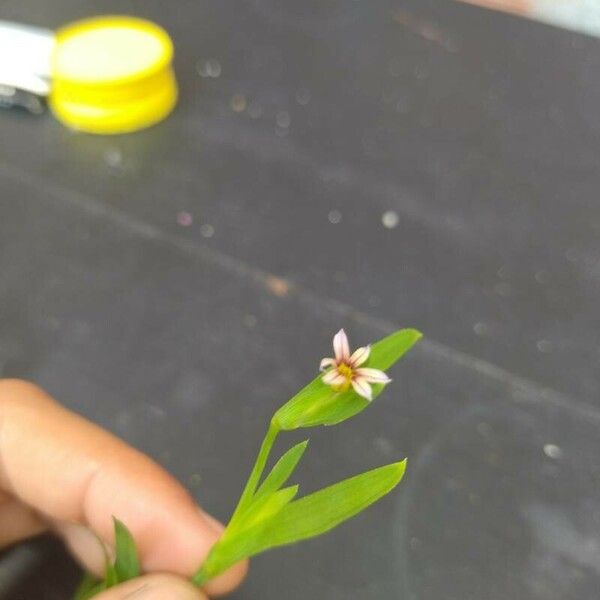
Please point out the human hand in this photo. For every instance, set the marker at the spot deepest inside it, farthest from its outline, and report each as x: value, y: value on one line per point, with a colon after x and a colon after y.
x: 61, y: 473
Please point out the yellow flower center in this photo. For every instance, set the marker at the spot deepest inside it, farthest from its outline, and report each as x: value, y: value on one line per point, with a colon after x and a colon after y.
x: 346, y: 371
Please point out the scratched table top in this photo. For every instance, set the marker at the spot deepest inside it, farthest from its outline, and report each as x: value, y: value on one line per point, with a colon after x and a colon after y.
x: 371, y: 165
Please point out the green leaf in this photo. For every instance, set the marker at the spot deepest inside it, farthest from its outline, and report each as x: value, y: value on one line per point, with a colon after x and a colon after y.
x: 99, y: 587
x: 110, y: 576
x: 257, y: 470
x: 321, y: 511
x: 307, y: 517
x: 127, y: 565
x: 89, y: 587
x: 282, y: 470
x: 319, y: 404
x: 261, y: 510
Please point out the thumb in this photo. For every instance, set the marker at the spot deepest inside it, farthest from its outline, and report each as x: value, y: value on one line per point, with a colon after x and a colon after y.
x: 153, y: 587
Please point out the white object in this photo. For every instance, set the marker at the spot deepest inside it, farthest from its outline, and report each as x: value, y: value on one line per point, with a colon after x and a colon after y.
x: 25, y: 55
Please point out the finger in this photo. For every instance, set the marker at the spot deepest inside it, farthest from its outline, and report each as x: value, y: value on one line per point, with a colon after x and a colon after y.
x: 72, y: 471
x: 85, y: 545
x: 153, y: 587
x: 93, y: 553
x: 17, y: 521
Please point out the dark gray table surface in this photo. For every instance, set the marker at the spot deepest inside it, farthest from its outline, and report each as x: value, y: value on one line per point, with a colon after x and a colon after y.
x: 479, y: 135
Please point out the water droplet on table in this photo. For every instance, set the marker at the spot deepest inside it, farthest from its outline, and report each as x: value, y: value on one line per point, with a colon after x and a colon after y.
x: 553, y: 451
x: 214, y: 67
x: 184, y: 218
x: 207, y: 230
x: 480, y: 328
x: 390, y: 219
x: 283, y: 119
x: 254, y: 110
x: 334, y: 216
x: 303, y: 96
x: 113, y: 157
x: 503, y: 273
x: 503, y: 289
x: 238, y: 103
x: 374, y: 300
x: 209, y: 68
x: 572, y: 255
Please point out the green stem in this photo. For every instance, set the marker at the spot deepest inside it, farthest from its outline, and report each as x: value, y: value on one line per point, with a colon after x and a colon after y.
x: 257, y: 471
x: 204, y: 573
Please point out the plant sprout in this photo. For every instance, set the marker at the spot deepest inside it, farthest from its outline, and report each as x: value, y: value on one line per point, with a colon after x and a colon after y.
x: 268, y: 513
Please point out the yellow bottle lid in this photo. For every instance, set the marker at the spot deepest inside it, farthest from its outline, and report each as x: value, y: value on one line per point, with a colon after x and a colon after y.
x: 112, y: 74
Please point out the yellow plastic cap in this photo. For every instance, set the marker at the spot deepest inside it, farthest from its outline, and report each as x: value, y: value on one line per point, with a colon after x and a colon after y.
x: 112, y: 75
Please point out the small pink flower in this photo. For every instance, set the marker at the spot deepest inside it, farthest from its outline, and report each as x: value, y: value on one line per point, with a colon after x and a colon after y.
x: 345, y: 368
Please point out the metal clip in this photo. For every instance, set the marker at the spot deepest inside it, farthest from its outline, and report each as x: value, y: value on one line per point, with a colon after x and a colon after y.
x: 25, y: 65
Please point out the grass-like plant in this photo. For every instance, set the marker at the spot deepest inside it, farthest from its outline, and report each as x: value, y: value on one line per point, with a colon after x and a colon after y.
x: 269, y: 514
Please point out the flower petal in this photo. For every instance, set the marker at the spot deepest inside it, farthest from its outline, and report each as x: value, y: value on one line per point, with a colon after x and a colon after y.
x: 341, y: 347
x: 360, y: 356
x: 362, y: 388
x: 334, y: 378
x: 326, y: 362
x: 372, y: 375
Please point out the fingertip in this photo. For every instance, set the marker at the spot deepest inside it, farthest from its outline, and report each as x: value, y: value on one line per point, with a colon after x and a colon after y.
x: 179, y: 542
x: 85, y: 546
x: 187, y: 539
x: 193, y: 543
x: 228, y: 581
x: 154, y: 587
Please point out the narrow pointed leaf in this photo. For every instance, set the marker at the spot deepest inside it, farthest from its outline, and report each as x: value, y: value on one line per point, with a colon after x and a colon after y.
x: 282, y: 470
x: 99, y: 587
x: 88, y: 588
x: 127, y: 565
x: 110, y: 577
x: 319, y: 404
x: 321, y: 511
x: 261, y: 510
x: 307, y: 517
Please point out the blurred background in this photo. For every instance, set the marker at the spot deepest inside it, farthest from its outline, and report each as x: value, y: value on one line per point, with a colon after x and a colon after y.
x: 366, y: 164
